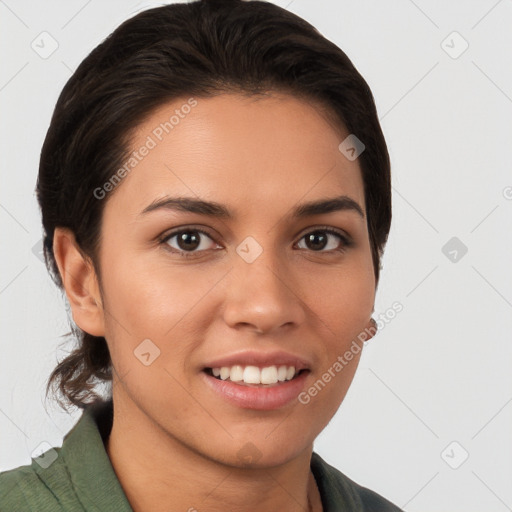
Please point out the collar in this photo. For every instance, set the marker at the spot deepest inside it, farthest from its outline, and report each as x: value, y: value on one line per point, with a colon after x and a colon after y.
x: 86, y: 457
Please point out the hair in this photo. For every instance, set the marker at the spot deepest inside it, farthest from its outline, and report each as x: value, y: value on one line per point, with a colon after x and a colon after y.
x: 201, y: 49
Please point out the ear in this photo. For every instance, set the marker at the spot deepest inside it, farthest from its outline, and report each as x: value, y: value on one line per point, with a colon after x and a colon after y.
x: 370, y: 330
x: 80, y: 283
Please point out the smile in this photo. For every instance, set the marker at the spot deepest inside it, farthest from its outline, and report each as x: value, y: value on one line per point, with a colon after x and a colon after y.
x: 253, y: 375
x: 268, y: 394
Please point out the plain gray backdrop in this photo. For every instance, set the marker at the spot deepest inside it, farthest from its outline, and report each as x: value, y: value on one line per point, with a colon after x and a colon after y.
x: 428, y: 419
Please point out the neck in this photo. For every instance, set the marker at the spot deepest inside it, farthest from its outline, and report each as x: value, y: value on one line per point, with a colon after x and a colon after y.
x: 156, y: 470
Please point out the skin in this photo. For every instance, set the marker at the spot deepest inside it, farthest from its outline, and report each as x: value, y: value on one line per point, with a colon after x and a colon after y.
x: 260, y: 158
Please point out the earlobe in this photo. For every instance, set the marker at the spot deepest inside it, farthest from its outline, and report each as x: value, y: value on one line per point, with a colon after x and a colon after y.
x: 371, y: 329
x: 80, y: 283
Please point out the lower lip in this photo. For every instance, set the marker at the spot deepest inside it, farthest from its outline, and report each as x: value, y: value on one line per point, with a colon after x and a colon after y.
x: 260, y: 398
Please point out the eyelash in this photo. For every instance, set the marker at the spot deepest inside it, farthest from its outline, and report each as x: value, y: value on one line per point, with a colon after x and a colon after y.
x: 345, y: 241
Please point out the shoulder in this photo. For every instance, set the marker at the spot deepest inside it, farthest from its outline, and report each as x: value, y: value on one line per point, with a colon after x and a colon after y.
x: 76, y: 477
x: 26, y: 488
x: 339, y: 492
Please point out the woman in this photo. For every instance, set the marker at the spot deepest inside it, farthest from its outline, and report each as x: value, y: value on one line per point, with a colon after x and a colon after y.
x: 215, y: 195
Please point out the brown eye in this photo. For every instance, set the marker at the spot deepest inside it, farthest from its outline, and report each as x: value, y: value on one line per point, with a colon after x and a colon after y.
x: 321, y: 239
x: 189, y: 241
x: 316, y: 241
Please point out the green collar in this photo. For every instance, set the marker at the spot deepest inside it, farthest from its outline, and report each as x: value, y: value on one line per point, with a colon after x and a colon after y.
x: 80, y: 476
x: 85, y: 455
x: 91, y: 471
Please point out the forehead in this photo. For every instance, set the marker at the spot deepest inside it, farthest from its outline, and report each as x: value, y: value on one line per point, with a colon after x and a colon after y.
x: 265, y: 153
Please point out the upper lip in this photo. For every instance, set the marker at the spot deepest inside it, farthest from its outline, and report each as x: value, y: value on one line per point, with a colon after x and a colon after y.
x: 261, y: 359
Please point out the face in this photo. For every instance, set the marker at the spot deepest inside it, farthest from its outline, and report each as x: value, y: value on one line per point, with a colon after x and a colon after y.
x: 188, y: 291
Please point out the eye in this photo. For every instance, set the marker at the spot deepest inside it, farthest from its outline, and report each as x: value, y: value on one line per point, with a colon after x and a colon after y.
x: 322, y: 238
x: 189, y: 241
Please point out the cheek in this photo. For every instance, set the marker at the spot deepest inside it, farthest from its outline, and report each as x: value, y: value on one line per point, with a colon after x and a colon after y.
x: 344, y: 307
x: 149, y: 298
x: 344, y: 300
x: 324, y: 395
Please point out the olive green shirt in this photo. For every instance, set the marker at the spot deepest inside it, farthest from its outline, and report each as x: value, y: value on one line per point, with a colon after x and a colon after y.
x: 79, y: 477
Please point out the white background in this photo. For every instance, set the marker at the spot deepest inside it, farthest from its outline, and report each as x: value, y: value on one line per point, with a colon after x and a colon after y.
x: 440, y: 371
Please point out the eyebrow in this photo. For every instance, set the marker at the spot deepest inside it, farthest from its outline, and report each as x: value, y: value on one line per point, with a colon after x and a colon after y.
x: 218, y: 210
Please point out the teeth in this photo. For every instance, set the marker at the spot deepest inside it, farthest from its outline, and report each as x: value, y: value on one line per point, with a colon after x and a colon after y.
x: 237, y: 373
x: 252, y: 375
x: 255, y: 375
x: 269, y: 375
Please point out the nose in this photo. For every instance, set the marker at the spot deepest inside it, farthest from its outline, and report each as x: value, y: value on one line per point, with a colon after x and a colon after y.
x: 263, y: 296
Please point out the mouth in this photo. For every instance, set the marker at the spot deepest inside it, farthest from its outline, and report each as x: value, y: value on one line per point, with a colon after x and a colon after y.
x: 259, y: 388
x: 256, y: 376
x: 258, y: 380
